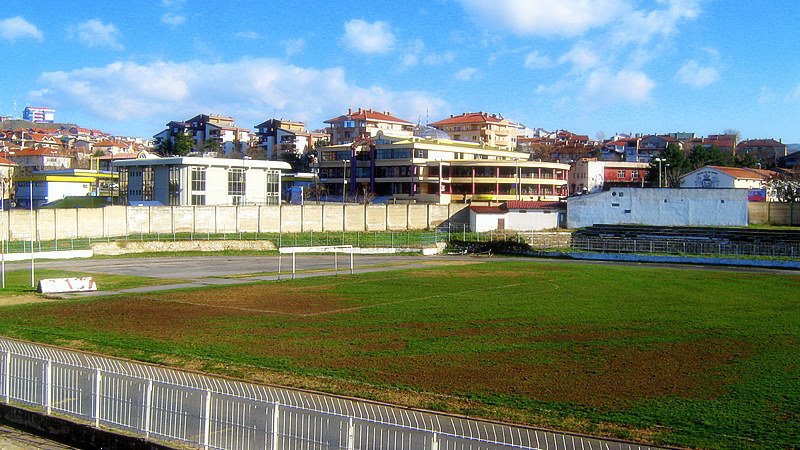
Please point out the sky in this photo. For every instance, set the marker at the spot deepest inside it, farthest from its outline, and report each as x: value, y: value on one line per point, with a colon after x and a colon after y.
x: 595, y: 67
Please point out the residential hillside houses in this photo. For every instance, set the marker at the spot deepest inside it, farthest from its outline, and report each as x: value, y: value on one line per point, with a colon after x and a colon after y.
x: 366, y: 122
x: 210, y: 133
x: 277, y: 138
x: 492, y: 130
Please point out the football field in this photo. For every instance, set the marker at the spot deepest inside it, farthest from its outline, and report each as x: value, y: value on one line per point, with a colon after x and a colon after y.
x: 677, y: 356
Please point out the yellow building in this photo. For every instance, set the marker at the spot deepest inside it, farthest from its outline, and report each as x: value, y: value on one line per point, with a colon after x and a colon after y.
x: 437, y: 171
x: 490, y: 129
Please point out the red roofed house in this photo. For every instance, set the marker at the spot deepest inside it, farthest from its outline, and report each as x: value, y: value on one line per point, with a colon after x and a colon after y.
x: 766, y: 151
x: 366, y: 122
x: 490, y: 129
x: 517, y: 215
x: 716, y: 177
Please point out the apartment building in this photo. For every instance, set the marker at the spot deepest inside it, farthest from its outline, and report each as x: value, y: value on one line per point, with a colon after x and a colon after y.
x: 480, y: 127
x: 208, y: 128
x: 366, y: 122
x: 278, y: 137
x: 437, y: 171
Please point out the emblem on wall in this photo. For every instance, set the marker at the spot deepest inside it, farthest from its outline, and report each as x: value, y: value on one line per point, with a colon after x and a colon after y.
x: 706, y: 180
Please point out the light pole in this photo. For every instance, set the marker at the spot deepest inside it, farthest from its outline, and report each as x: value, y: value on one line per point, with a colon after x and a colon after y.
x: 659, y: 171
x: 344, y: 180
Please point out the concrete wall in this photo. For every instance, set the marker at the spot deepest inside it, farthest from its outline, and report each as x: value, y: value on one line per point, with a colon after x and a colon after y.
x: 774, y: 213
x: 665, y: 207
x: 50, y: 224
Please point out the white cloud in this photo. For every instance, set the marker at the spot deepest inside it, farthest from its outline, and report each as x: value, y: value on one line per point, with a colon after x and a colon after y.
x: 466, y: 73
x: 251, y: 35
x: 172, y: 3
x: 605, y: 88
x: 795, y: 94
x: 364, y: 37
x: 293, y: 46
x: 94, y: 33
x: 251, y: 90
x: 173, y: 19
x: 641, y: 26
x: 15, y: 28
x: 581, y: 57
x: 546, y: 17
x: 693, y: 74
x: 416, y: 53
x: 535, y: 60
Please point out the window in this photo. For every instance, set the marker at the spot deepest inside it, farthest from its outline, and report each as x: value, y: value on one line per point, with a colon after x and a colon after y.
x: 236, y: 185
x: 198, y: 199
x: 198, y: 179
x: 634, y: 174
x: 147, y: 183
x: 174, y: 185
x: 620, y: 174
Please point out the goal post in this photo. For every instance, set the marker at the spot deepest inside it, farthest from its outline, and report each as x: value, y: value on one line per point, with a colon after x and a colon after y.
x: 335, y: 249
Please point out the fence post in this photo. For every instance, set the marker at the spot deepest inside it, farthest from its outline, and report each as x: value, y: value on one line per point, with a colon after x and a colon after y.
x: 97, y: 378
x: 207, y: 419
x: 293, y: 264
x: 148, y: 401
x: 335, y: 263
x: 351, y: 260
x: 275, y: 421
x: 351, y: 435
x: 48, y: 384
x: 7, y: 379
x: 435, y: 442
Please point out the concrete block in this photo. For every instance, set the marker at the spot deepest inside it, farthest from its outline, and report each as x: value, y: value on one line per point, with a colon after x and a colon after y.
x: 248, y: 219
x: 291, y: 218
x: 45, y: 220
x: 227, y: 219
x: 376, y: 218
x: 205, y: 219
x: 355, y: 218
x: 68, y: 225
x: 332, y: 217
x: 115, y: 220
x: 417, y: 217
x: 183, y: 219
x: 138, y: 219
x: 312, y: 218
x: 90, y: 222
x: 270, y: 219
x: 396, y: 217
x: 161, y: 219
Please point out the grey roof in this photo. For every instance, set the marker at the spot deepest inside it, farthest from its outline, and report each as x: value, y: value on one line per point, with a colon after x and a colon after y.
x: 430, y: 133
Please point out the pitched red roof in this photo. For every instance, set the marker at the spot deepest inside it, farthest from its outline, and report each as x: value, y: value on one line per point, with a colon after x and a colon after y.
x: 367, y: 115
x: 745, y: 173
x: 486, y: 209
x: 523, y: 204
x: 478, y: 117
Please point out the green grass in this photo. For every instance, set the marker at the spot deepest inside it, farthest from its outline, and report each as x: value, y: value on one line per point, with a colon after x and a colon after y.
x: 683, y: 357
x: 19, y: 281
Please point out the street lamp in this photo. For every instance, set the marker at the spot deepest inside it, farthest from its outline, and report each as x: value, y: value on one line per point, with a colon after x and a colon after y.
x: 659, y: 170
x: 344, y: 180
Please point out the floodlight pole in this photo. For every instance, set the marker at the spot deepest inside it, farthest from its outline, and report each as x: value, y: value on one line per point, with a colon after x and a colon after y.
x: 33, y: 232
x: 2, y: 236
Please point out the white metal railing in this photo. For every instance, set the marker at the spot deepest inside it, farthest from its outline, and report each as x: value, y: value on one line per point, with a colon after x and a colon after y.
x: 215, y: 413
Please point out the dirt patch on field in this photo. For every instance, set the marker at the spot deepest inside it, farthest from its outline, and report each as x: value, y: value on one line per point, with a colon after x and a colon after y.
x: 23, y: 299
x: 599, y: 377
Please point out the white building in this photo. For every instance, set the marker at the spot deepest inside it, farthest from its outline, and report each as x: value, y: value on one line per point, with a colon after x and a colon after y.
x: 517, y: 216
x: 200, y: 181
x: 660, y: 207
x: 51, y: 185
x: 39, y: 114
x: 588, y: 175
x: 716, y: 177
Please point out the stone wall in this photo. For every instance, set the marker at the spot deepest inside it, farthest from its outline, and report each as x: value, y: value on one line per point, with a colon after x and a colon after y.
x: 774, y: 213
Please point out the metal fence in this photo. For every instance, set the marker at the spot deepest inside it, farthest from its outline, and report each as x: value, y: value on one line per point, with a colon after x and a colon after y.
x: 207, y: 412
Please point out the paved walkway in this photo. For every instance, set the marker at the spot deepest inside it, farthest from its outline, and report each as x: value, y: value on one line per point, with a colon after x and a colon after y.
x: 14, y: 439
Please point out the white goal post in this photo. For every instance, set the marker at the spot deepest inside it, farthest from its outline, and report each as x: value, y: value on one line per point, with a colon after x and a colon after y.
x: 335, y: 249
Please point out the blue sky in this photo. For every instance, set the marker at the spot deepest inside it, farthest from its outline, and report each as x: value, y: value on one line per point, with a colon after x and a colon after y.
x: 590, y: 66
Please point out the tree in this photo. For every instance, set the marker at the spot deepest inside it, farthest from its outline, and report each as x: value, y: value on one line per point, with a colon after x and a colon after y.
x: 181, y: 145
x: 701, y: 156
x: 673, y: 165
x: 786, y: 186
x: 211, y: 146
x: 257, y: 152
